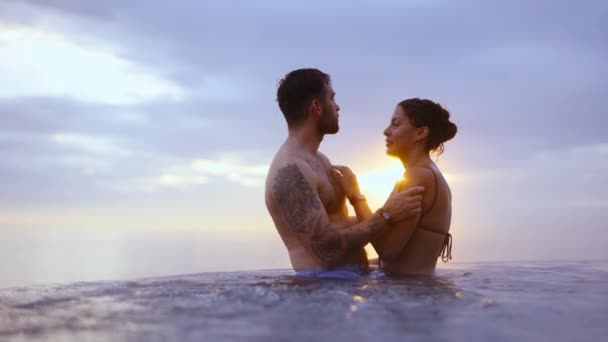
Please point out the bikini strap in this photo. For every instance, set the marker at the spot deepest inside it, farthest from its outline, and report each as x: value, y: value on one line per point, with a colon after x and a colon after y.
x: 446, y: 249
x: 436, y: 191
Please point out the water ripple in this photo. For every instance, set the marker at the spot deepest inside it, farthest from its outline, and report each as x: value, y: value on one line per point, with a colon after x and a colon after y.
x: 468, y: 302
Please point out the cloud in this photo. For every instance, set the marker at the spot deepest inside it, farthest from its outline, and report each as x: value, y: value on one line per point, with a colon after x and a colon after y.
x: 37, y: 62
x: 512, y: 77
x: 70, y: 152
x: 89, y: 144
x: 246, y: 175
x: 509, y: 76
x: 157, y: 106
x: 548, y: 183
x: 188, y: 175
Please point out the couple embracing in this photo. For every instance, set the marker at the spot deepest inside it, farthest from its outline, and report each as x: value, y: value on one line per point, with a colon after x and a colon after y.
x: 306, y: 195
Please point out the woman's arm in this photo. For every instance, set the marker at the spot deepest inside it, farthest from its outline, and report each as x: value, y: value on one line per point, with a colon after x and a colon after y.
x: 347, y: 179
x: 359, y: 203
x: 390, y: 245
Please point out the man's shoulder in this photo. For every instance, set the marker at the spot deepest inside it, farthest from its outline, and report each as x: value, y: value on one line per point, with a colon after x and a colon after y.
x: 293, y: 166
x: 289, y: 165
x: 288, y: 178
x: 324, y: 158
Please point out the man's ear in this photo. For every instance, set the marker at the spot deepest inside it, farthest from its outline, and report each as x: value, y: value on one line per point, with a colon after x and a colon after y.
x: 315, y: 108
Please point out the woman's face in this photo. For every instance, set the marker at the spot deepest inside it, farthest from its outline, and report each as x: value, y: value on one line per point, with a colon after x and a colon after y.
x: 400, y: 134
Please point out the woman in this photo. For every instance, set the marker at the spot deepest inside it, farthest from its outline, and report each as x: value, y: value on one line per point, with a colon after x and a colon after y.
x: 417, y: 128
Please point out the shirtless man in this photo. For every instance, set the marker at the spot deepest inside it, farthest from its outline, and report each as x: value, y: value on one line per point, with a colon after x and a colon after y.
x: 307, y: 206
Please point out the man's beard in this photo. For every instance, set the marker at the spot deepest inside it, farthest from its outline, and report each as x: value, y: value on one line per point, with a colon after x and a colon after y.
x: 328, y: 123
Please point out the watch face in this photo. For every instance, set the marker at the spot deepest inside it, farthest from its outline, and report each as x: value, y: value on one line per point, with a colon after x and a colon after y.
x: 386, y: 215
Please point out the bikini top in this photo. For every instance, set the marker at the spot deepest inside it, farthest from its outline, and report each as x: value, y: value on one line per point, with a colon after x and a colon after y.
x: 446, y: 248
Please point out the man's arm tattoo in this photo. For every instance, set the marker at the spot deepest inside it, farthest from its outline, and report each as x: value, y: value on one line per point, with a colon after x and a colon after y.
x: 295, y: 197
x: 326, y: 242
x: 301, y: 209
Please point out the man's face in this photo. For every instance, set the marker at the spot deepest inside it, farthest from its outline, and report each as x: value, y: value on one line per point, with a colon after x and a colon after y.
x: 329, y: 112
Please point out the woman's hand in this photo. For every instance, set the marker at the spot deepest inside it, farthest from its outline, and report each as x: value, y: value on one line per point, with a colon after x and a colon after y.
x: 347, y: 180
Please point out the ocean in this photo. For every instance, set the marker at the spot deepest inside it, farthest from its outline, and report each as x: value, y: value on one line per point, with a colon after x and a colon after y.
x: 510, y: 301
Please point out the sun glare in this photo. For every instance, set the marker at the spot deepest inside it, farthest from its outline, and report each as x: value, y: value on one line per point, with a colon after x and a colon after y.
x: 378, y: 183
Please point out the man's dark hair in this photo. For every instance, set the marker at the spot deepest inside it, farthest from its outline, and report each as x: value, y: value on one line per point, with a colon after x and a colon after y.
x: 297, y: 89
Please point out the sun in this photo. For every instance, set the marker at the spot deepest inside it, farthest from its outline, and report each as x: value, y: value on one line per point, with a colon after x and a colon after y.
x: 377, y: 184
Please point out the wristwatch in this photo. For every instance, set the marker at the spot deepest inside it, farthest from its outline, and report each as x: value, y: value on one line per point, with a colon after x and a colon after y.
x: 357, y: 198
x: 385, y: 215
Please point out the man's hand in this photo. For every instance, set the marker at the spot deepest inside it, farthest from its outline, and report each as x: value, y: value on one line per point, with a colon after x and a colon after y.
x: 403, y: 204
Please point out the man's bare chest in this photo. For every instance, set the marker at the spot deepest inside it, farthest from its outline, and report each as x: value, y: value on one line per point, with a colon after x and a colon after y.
x: 329, y: 191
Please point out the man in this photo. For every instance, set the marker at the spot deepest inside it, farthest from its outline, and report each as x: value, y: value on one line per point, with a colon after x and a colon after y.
x: 307, y: 206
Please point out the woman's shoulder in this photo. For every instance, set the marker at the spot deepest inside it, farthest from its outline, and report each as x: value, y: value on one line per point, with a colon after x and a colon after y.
x: 419, y: 175
x: 423, y: 176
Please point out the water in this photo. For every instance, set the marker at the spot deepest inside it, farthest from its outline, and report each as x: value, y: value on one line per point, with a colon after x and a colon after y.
x: 532, y: 301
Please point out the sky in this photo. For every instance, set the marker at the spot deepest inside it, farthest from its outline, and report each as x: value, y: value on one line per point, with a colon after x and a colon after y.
x: 135, y: 136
